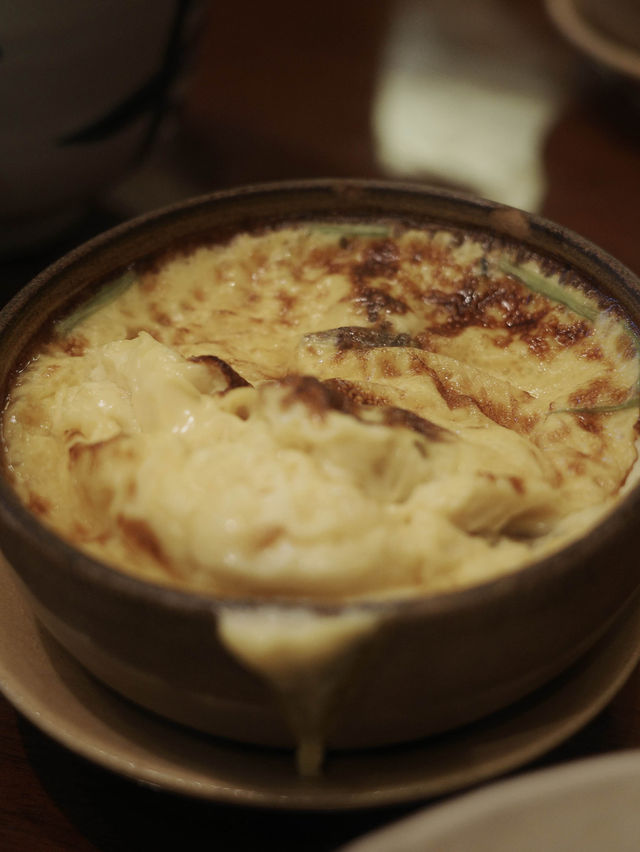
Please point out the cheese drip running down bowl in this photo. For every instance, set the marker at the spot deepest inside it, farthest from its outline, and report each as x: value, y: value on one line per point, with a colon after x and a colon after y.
x: 333, y: 463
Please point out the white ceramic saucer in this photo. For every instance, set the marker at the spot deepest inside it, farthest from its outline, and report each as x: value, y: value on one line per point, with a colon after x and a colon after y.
x: 589, y: 805
x: 45, y: 684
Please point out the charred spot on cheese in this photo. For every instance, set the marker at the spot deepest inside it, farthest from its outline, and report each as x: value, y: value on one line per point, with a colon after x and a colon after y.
x: 39, y: 505
x: 74, y: 346
x: 486, y: 303
x: 409, y: 420
x: 345, y: 397
x: 317, y: 396
x: 355, y: 392
x: 218, y: 365
x: 518, y: 484
x: 589, y: 422
x: 141, y: 535
x: 159, y: 316
x: 599, y: 391
x: 359, y: 337
x: 381, y: 260
x: 570, y: 333
x: 378, y: 302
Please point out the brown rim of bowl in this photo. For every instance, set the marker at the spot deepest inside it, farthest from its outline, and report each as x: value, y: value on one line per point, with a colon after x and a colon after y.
x: 465, y: 211
x: 590, y: 40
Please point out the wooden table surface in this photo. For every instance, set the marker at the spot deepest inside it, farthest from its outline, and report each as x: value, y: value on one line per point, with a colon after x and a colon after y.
x: 49, y: 798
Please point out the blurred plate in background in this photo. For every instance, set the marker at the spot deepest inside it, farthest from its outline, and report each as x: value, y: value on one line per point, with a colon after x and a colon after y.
x: 589, y: 805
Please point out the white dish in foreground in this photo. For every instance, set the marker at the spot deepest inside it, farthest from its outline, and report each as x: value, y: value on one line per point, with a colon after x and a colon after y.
x: 589, y: 805
x: 45, y: 684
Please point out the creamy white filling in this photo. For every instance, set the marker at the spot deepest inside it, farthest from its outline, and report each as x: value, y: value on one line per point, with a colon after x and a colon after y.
x: 306, y: 658
x: 249, y: 490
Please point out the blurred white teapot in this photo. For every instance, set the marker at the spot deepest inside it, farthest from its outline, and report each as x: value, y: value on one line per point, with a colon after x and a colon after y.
x: 83, y: 84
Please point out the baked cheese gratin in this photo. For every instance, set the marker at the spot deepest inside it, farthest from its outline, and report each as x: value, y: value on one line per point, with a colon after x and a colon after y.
x: 329, y: 411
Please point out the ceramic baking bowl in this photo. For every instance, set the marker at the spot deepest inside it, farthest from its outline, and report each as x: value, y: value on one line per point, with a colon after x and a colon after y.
x: 439, y: 661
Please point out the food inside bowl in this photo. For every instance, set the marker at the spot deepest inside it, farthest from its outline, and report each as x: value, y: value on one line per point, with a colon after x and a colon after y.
x: 329, y: 411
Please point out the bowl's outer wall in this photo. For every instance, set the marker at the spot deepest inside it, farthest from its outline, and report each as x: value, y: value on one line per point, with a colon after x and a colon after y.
x: 438, y: 662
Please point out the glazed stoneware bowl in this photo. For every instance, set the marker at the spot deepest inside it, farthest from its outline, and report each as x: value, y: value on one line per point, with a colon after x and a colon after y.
x: 440, y: 661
